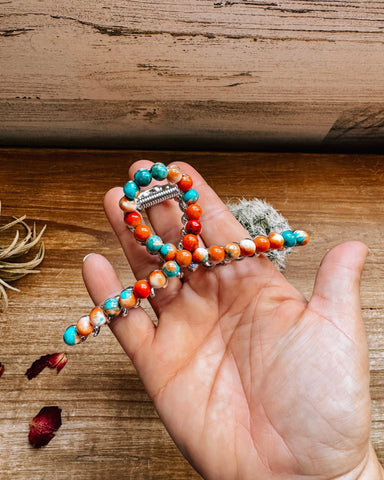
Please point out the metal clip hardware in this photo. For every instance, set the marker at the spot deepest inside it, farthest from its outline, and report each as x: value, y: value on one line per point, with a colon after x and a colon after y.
x: 155, y: 195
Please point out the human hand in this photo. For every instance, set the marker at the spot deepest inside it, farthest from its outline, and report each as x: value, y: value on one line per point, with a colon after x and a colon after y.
x: 250, y: 379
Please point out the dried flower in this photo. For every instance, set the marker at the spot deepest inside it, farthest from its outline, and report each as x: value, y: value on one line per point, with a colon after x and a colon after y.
x: 41, y: 429
x: 1, y: 369
x: 53, y: 360
x: 11, y: 270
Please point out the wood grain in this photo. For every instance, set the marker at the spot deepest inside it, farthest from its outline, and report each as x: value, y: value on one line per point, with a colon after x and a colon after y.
x: 273, y: 74
x: 110, y: 429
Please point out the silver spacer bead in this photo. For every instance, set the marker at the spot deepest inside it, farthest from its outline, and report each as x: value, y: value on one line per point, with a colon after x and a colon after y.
x: 96, y: 331
x: 155, y: 195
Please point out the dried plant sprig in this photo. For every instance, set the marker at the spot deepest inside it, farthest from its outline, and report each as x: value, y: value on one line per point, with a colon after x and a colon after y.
x: 11, y: 270
x: 260, y: 218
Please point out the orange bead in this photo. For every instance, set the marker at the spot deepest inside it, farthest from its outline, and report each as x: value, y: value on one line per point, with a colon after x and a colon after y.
x: 216, y: 254
x: 174, y: 174
x: 262, y: 243
x: 193, y: 212
x: 142, y: 232
x: 133, y: 219
x: 183, y: 258
x: 141, y: 289
x: 193, y: 226
x: 84, y: 326
x: 190, y: 242
x: 276, y: 240
x: 185, y: 183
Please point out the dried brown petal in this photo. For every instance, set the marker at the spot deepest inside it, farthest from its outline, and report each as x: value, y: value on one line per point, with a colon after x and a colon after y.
x: 1, y: 369
x: 53, y: 360
x: 43, y: 426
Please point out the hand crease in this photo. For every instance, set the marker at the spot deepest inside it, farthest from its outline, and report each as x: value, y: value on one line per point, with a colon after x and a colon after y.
x: 313, y: 310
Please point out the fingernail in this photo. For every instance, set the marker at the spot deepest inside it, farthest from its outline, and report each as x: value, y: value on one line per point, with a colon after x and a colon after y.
x: 86, y: 256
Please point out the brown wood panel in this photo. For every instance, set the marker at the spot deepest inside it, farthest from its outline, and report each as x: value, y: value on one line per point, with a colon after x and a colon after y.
x: 263, y: 73
x: 110, y: 429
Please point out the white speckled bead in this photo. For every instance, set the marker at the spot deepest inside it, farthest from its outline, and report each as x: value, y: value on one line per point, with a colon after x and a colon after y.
x: 174, y: 174
x: 97, y: 317
x: 247, y: 247
x: 200, y: 255
x: 157, y: 279
x: 127, y: 206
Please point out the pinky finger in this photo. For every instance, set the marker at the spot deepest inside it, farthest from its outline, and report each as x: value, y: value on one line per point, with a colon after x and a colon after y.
x: 134, y: 331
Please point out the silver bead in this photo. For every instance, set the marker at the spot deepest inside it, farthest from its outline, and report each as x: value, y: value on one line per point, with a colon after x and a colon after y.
x: 155, y: 195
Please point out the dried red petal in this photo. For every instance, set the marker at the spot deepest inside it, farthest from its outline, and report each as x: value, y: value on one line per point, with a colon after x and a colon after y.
x: 53, y: 360
x: 1, y: 369
x: 43, y: 426
x: 58, y: 361
x: 61, y: 364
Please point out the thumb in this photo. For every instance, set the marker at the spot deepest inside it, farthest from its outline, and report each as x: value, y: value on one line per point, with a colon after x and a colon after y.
x: 336, y: 295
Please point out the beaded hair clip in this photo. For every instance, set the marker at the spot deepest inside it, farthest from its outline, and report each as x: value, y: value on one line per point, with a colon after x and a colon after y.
x: 187, y: 254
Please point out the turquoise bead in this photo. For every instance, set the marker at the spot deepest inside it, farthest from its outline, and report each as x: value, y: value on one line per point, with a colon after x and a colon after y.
x: 143, y: 177
x: 168, y: 250
x: 154, y: 243
x: 71, y: 336
x: 289, y: 238
x: 159, y: 171
x: 190, y: 196
x: 171, y: 269
x: 112, y: 307
x: 131, y: 190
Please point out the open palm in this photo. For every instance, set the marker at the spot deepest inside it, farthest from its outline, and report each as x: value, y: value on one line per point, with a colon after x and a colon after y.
x: 251, y: 380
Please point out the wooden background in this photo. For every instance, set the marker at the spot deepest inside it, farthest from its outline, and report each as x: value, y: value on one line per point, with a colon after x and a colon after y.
x: 110, y: 429
x: 218, y: 74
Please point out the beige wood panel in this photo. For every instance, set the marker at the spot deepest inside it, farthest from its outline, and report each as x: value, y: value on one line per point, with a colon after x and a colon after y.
x: 110, y: 429
x: 273, y: 64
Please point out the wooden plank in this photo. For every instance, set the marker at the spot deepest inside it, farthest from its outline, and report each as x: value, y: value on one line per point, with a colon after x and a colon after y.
x: 269, y: 65
x: 110, y: 428
x: 118, y: 124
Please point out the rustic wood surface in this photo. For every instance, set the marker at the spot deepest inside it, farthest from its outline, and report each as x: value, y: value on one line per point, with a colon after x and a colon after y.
x: 223, y: 74
x: 110, y: 429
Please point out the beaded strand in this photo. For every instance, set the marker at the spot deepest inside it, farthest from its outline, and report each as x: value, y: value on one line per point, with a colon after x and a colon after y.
x: 187, y: 254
